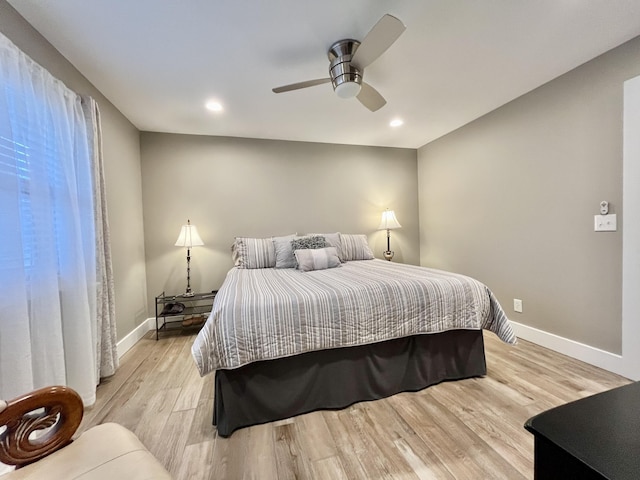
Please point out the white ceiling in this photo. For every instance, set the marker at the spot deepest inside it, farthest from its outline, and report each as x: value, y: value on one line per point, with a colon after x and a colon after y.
x: 158, y: 61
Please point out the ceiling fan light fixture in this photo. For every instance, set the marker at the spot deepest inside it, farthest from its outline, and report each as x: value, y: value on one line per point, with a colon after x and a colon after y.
x: 348, y: 59
x: 346, y: 78
x: 348, y: 89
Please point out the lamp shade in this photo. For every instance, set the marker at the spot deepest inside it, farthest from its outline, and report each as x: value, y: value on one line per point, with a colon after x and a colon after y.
x: 189, y: 236
x: 389, y: 221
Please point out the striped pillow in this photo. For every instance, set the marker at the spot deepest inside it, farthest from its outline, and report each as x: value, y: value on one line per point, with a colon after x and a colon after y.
x: 355, y: 247
x: 253, y: 252
x: 310, y: 259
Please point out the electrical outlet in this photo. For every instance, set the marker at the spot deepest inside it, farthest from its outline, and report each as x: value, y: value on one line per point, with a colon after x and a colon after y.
x: 517, y: 305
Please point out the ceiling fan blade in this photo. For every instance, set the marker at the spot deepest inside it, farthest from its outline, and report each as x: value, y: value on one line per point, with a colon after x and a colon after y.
x: 370, y: 98
x: 377, y: 41
x: 299, y: 85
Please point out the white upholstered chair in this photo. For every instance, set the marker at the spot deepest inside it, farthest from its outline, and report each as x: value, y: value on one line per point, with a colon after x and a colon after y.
x: 107, y: 451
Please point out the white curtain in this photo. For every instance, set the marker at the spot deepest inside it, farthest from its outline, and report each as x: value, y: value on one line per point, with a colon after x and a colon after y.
x: 105, y: 342
x: 49, y: 276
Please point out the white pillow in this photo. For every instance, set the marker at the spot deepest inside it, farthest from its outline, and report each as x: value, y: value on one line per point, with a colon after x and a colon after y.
x: 316, y: 258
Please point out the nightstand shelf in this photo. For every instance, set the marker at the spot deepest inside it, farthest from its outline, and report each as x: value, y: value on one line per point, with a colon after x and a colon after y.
x: 178, y: 313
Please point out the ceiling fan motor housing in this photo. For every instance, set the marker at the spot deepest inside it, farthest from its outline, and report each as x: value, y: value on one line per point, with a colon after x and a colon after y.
x: 345, y: 77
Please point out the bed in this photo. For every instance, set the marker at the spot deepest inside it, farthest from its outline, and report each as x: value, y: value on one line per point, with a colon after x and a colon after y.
x: 283, y: 342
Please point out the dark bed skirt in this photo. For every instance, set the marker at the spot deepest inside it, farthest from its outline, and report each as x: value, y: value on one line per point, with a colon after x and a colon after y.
x: 332, y: 379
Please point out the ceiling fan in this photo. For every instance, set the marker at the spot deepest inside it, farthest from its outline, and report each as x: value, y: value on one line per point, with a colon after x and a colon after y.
x: 348, y: 59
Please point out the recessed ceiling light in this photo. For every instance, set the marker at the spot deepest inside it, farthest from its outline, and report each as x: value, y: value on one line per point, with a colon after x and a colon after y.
x: 214, y: 106
x: 396, y: 123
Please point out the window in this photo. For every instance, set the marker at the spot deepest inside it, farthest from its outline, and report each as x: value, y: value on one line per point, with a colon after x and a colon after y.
x: 48, y: 255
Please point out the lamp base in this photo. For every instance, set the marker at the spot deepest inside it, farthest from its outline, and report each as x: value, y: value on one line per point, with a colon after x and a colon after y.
x: 388, y: 255
x: 188, y: 292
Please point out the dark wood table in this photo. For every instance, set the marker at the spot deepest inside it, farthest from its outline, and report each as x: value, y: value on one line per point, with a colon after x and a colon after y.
x: 592, y: 438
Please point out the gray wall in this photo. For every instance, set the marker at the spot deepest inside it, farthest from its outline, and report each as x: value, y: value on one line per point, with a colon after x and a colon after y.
x: 243, y: 187
x: 122, y: 171
x: 510, y: 199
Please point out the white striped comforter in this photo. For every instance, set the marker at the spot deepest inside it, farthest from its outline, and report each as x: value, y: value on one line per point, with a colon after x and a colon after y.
x: 267, y: 313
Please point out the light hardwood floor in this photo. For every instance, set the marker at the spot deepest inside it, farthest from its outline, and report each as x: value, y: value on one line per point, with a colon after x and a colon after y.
x: 469, y: 429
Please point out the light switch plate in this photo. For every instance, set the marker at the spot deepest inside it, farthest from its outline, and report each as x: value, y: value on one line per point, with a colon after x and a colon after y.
x: 605, y: 223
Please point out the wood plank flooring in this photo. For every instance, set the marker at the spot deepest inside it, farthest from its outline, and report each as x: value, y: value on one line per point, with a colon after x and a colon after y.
x: 469, y: 429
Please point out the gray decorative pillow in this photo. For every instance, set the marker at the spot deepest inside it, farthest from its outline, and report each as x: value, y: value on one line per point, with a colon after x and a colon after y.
x: 284, y: 252
x: 333, y: 240
x: 253, y: 253
x: 317, y: 258
x: 309, y: 241
x: 355, y: 247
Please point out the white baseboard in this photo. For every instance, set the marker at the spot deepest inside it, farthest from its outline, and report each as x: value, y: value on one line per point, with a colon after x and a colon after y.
x: 592, y: 355
x: 135, y: 335
x: 586, y: 353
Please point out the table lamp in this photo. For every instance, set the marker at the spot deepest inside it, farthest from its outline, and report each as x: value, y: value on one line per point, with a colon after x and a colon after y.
x: 388, y: 223
x: 189, y: 238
